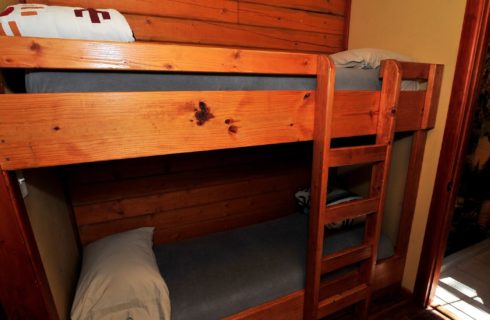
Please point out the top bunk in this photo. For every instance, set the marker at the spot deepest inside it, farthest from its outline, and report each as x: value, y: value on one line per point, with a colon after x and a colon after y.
x: 50, y: 129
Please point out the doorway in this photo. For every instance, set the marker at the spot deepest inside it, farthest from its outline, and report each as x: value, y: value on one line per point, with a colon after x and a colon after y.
x: 453, y: 184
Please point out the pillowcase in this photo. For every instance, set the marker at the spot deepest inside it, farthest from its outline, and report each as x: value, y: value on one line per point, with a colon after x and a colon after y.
x: 366, y: 58
x: 120, y: 280
x: 39, y: 20
x: 334, y: 196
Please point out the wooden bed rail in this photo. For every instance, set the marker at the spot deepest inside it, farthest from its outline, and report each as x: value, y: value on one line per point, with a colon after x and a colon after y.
x: 32, y: 53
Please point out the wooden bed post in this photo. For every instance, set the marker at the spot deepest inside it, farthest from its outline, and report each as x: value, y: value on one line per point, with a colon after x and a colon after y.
x: 24, y: 289
x: 321, y: 147
x: 24, y: 292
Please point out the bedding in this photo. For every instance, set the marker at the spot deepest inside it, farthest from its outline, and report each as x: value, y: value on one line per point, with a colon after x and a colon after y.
x: 75, y: 81
x: 38, y: 20
x: 120, y: 280
x: 221, y: 274
x: 370, y: 58
x: 335, y: 196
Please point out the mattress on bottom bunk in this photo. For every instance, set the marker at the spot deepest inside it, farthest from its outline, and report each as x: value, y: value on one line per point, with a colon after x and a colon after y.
x: 221, y: 274
x: 104, y: 81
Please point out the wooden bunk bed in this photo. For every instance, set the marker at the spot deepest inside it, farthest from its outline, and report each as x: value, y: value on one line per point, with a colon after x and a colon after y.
x: 62, y: 130
x: 40, y: 130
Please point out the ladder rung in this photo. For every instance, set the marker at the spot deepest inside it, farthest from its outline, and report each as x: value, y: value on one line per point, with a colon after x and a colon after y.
x: 356, y: 155
x: 339, y: 283
x: 350, y: 210
x: 345, y: 257
x: 342, y: 300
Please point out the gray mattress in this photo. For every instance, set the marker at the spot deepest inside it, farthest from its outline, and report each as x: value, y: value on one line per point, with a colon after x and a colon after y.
x: 221, y: 274
x: 94, y: 81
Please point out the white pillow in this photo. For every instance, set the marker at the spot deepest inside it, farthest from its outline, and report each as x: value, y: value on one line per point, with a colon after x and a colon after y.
x: 369, y: 58
x: 39, y: 20
x: 366, y: 58
x: 120, y: 280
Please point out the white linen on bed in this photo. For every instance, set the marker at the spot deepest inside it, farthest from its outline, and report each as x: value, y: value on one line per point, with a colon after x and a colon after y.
x: 370, y: 58
x: 38, y: 20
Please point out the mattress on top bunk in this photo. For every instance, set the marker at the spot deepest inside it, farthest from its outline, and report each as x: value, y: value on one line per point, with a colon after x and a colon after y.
x: 221, y: 274
x: 103, y: 81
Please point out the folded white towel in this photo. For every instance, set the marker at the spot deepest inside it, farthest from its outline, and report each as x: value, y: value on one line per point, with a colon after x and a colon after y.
x: 37, y: 20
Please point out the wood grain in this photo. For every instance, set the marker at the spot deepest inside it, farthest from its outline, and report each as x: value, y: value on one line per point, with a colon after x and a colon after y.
x: 277, y: 17
x: 349, y: 156
x: 232, y: 35
x: 322, y: 135
x: 35, y: 53
x: 210, y: 10
x: 337, y: 7
x: 36, y: 130
x: 351, y: 209
x: 346, y: 257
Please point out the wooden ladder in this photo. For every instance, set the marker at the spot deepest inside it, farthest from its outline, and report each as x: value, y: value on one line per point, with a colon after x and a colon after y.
x: 318, y: 305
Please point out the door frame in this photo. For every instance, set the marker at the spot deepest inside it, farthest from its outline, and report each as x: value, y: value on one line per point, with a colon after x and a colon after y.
x: 464, y: 93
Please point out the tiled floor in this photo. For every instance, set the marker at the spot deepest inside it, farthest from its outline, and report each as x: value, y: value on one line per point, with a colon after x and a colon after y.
x: 464, y: 286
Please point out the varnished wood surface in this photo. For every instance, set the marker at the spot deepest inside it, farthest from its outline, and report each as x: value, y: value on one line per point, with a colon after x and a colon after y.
x: 187, y: 195
x: 349, y: 156
x: 351, y: 210
x: 24, y: 290
x: 26, y: 52
x: 322, y: 134
x: 285, y: 25
x: 345, y: 257
x: 36, y: 132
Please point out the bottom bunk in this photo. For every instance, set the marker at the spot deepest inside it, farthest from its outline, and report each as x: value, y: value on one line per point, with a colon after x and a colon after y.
x: 222, y: 274
x: 226, y: 241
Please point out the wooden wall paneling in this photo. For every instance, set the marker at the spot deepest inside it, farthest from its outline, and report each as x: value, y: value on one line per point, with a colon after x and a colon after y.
x: 337, y: 7
x: 231, y: 35
x: 191, y: 194
x: 200, y: 220
x: 208, y: 10
x: 472, y: 49
x: 24, y: 293
x: 86, y: 175
x: 277, y: 17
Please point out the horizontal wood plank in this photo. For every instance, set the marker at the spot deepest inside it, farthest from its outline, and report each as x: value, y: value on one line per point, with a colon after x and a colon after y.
x: 354, y: 112
x: 337, y: 7
x: 16, y: 52
x: 184, y: 223
x: 289, y: 307
x: 212, y: 10
x: 39, y: 130
x: 410, y: 110
x: 414, y: 70
x: 232, y: 35
x: 348, y: 156
x: 194, y: 193
x: 44, y: 129
x: 342, y: 300
x: 345, y: 258
x: 340, y: 283
x: 351, y: 209
x: 269, y: 16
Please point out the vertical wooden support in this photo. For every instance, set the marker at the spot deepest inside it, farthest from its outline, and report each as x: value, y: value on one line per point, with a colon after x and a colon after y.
x: 321, y: 147
x: 24, y: 289
x: 390, y: 92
